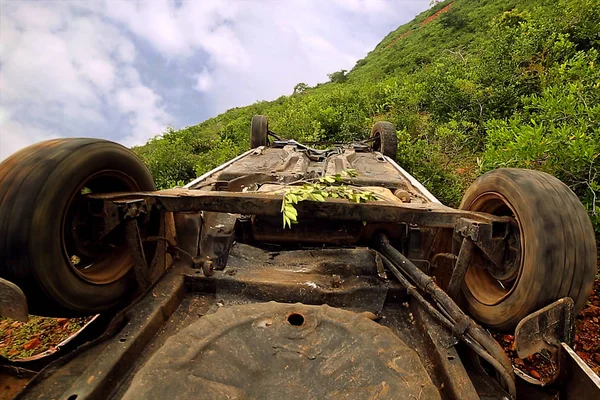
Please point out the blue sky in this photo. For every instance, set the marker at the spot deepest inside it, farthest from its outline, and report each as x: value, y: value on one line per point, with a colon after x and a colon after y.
x: 125, y: 70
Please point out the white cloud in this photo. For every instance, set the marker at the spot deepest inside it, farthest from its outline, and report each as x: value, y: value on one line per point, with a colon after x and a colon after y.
x: 379, y: 7
x: 295, y: 41
x: 31, y: 16
x: 144, y: 110
x: 177, y: 30
x: 203, y: 81
x: 257, y: 50
x: 61, y: 70
x: 121, y: 69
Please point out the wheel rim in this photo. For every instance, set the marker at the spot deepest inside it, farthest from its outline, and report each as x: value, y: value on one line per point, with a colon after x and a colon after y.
x: 483, y: 285
x: 103, y: 262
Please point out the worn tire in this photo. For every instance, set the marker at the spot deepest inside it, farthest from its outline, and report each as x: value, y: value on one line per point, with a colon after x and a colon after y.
x: 386, y: 140
x: 558, y: 248
x: 259, y: 131
x: 38, y: 187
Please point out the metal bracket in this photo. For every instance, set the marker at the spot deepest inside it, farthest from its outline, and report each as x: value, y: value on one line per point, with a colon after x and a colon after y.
x: 498, y: 242
x: 134, y: 241
x: 133, y: 208
x: 216, y: 237
x: 546, y: 329
x: 460, y: 268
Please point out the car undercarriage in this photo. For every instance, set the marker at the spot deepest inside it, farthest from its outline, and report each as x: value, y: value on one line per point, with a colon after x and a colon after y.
x: 371, y: 288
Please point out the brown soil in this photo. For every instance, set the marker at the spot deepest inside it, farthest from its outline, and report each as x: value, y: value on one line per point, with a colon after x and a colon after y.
x: 435, y: 16
x: 587, y: 332
x: 426, y: 21
x: 400, y: 37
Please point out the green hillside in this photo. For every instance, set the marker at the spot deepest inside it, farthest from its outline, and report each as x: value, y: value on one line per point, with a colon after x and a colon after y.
x: 471, y: 85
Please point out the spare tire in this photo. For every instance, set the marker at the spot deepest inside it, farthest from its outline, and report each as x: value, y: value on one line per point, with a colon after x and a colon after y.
x: 46, y: 243
x: 386, y: 141
x: 556, y: 241
x: 259, y: 131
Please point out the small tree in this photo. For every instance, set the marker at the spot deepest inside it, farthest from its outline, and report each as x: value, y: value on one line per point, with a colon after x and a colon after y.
x: 300, y: 88
x: 453, y: 20
x: 338, y: 76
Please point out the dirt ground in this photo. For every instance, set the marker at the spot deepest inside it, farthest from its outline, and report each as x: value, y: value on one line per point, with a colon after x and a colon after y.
x: 19, y: 340
x: 587, y: 334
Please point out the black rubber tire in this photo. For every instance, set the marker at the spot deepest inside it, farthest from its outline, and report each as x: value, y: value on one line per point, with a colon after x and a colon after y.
x: 386, y: 140
x: 259, y: 131
x: 37, y: 185
x: 558, y: 247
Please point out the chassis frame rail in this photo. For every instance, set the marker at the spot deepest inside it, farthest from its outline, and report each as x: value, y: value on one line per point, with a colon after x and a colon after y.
x: 262, y: 204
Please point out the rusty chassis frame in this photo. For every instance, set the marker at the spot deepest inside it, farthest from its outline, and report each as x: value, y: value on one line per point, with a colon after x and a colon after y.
x: 269, y: 205
x: 459, y: 356
x: 476, y: 229
x: 472, y: 229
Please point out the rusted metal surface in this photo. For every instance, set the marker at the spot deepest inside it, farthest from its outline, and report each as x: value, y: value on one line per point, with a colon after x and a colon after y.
x: 13, y: 303
x: 106, y: 369
x: 256, y: 203
x: 104, y: 219
x: 415, y: 184
x: 188, y: 226
x: 270, y: 230
x: 543, y: 331
x: 478, y: 339
x: 580, y: 382
x: 204, y: 326
x: 216, y: 237
x: 546, y: 328
x: 460, y: 268
x: 498, y: 241
x: 209, y: 174
x: 265, y: 350
x: 13, y: 380
x: 456, y: 380
x: 339, y: 277
x: 136, y: 249
x: 162, y: 259
x: 93, y: 371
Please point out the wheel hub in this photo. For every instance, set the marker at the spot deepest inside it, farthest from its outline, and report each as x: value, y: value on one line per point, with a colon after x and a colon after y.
x: 490, y: 282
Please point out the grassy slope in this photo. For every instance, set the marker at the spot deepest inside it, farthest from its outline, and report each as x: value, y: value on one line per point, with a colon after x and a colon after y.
x: 392, y: 57
x: 467, y: 83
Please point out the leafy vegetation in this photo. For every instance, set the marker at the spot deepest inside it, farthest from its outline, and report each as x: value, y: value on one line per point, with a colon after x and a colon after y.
x: 471, y: 85
x: 319, y: 189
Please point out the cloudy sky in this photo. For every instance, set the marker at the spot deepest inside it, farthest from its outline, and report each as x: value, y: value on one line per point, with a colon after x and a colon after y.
x: 125, y: 70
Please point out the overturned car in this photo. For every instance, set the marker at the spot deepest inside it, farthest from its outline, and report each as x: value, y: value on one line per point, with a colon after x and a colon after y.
x: 290, y: 271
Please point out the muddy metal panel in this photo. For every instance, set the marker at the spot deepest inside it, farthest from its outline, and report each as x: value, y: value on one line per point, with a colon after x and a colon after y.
x: 217, y: 169
x: 284, y: 164
x: 264, y: 350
